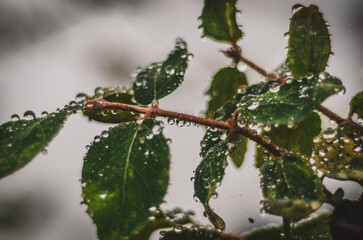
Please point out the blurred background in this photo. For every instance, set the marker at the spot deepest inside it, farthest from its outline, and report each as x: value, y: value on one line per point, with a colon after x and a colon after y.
x: 50, y: 50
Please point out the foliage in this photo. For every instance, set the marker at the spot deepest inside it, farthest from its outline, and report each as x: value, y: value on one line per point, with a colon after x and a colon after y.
x: 126, y: 169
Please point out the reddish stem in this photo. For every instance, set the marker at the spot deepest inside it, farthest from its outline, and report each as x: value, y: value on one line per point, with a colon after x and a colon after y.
x: 152, y: 112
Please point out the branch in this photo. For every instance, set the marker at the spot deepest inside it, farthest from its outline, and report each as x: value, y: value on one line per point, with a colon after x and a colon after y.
x: 236, y: 54
x: 154, y: 111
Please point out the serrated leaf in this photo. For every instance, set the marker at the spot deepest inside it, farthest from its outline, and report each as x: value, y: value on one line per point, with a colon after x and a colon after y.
x: 356, y: 105
x: 338, y: 153
x: 195, y: 232
x: 290, y: 187
x: 315, y: 228
x: 309, y: 44
x: 22, y: 140
x: 291, y: 102
x: 160, y: 79
x: 113, y: 115
x: 208, y: 177
x: 297, y: 138
x: 219, y: 21
x: 224, y: 86
x: 125, y: 173
x: 162, y: 219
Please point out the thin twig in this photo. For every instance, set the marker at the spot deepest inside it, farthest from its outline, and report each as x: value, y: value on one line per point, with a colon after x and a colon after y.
x: 152, y: 112
x: 236, y: 53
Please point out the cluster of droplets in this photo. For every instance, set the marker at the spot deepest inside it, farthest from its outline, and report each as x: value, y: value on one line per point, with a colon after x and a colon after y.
x: 178, y: 122
x: 193, y: 232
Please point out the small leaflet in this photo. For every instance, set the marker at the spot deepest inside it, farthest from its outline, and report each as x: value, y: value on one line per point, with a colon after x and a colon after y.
x: 356, y: 106
x: 290, y: 187
x: 290, y: 102
x: 162, y: 78
x: 219, y: 21
x: 309, y: 45
x: 338, y: 153
x: 22, y: 139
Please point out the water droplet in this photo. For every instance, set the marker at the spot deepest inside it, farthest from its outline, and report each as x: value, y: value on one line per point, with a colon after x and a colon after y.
x: 105, y: 134
x: 150, y: 135
x: 296, y: 7
x: 103, y: 196
x: 171, y: 121
x: 329, y: 133
x: 99, y: 91
x: 157, y: 129
x: 44, y: 151
x: 357, y: 149
x: 286, y: 35
x: 29, y: 115
x: 88, y: 147
x: 15, y: 117
x: 254, y: 105
x: 81, y: 97
x: 178, y: 228
x: 180, y: 123
x: 242, y: 67
x: 322, y: 153
x: 97, y: 138
x: 274, y: 88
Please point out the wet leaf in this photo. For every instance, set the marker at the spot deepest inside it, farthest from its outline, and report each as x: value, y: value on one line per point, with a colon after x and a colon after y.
x: 290, y: 187
x: 113, y: 115
x: 195, y: 232
x: 356, y: 105
x: 224, y: 86
x: 238, y: 155
x: 160, y: 79
x: 219, y: 21
x: 161, y: 219
x: 22, y: 140
x: 314, y: 228
x: 289, y: 103
x: 297, y: 138
x: 125, y: 173
x: 208, y: 177
x: 338, y: 153
x: 309, y: 43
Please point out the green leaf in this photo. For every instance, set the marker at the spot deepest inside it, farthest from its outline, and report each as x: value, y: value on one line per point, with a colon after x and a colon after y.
x: 161, y: 219
x: 224, y: 86
x: 219, y: 21
x: 195, y: 232
x: 338, y: 153
x: 113, y: 115
x: 125, y: 173
x: 238, y: 155
x: 290, y: 187
x: 356, y: 105
x: 315, y: 228
x: 22, y: 140
x: 160, y: 79
x: 289, y: 103
x: 309, y: 43
x: 296, y: 138
x: 208, y: 177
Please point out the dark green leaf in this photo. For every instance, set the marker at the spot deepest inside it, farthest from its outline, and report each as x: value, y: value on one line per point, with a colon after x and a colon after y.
x: 315, y: 228
x: 22, y: 140
x: 114, y: 115
x: 125, y: 173
x: 309, y: 44
x: 160, y: 79
x: 219, y: 21
x: 161, y: 219
x: 195, y: 232
x: 297, y: 138
x: 238, y: 154
x: 291, y: 102
x: 338, y: 153
x: 208, y: 177
x: 356, y: 105
x: 290, y: 187
x: 224, y: 86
